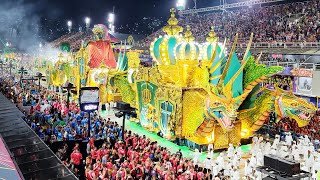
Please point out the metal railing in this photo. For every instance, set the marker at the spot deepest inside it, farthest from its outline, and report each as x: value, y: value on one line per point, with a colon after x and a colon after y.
x: 287, y: 64
x: 228, y: 6
x: 281, y: 45
x: 311, y: 66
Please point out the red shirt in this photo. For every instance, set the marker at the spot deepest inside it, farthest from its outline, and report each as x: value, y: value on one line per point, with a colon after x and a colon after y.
x: 101, y: 153
x: 94, y: 154
x: 96, y: 168
x: 109, y: 165
x: 76, y: 158
x: 200, y: 175
x: 90, y: 175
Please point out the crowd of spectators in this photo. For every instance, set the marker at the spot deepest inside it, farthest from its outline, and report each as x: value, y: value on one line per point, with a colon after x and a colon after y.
x: 135, y: 157
x: 312, y: 130
x: 75, y: 39
x: 291, y: 22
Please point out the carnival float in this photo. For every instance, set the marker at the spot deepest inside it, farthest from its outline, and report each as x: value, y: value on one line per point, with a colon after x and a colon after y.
x: 194, y: 92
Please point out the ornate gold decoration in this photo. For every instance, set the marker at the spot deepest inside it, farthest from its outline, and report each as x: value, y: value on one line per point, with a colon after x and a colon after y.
x: 172, y: 28
x: 130, y: 40
x: 212, y: 37
x: 188, y: 35
x: 133, y: 59
x: 146, y: 96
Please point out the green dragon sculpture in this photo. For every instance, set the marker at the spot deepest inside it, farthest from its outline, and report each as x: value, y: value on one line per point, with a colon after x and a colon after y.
x: 214, y: 103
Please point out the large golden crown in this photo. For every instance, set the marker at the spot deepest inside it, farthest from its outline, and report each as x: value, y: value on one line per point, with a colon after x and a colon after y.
x: 162, y: 49
x: 187, y: 49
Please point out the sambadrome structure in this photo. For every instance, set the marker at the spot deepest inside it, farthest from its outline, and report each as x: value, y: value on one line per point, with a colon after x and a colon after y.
x: 194, y: 91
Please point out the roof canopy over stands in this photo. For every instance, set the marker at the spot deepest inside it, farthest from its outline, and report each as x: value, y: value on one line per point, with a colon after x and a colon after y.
x: 32, y: 155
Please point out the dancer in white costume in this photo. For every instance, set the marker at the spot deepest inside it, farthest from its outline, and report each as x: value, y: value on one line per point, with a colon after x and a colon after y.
x: 239, y: 151
x: 255, y: 145
x: 276, y: 142
x: 196, y: 156
x: 235, y: 175
x: 288, y: 139
x: 210, y: 153
x: 260, y: 158
x: 230, y: 153
x: 220, y: 160
x: 309, y: 161
x: 210, y: 146
x: 247, y: 168
x: 283, y: 151
x: 267, y: 148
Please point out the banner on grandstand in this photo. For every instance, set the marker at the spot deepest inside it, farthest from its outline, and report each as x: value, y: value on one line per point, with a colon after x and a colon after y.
x: 303, y: 85
x: 302, y: 72
x: 89, y: 98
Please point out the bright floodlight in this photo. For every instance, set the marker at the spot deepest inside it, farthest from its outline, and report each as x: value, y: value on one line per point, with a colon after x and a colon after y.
x: 87, y: 20
x: 111, y: 18
x: 69, y: 23
x: 181, y: 4
x: 112, y: 28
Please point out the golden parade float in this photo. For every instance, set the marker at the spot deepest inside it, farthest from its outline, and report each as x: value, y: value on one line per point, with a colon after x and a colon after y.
x: 194, y: 93
x: 198, y: 94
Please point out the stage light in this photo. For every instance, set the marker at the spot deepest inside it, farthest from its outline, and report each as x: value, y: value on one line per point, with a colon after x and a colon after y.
x: 181, y: 4
x: 69, y: 23
x: 87, y: 21
x: 111, y: 18
x: 112, y: 28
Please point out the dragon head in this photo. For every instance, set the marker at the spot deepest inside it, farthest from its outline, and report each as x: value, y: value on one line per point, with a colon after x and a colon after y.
x: 223, y: 110
x: 222, y: 107
x: 291, y: 106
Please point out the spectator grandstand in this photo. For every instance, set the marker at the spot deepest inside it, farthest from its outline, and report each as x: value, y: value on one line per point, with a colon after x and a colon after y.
x: 292, y: 22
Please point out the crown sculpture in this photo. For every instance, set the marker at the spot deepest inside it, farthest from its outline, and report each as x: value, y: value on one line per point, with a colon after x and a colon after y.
x: 195, y: 92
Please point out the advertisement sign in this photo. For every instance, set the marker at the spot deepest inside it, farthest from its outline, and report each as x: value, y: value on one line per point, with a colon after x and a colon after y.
x: 302, y: 72
x: 89, y: 98
x: 303, y: 85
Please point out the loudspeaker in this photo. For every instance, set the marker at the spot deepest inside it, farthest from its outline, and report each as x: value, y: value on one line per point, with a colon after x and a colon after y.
x: 271, y: 161
x: 122, y: 106
x: 288, y: 167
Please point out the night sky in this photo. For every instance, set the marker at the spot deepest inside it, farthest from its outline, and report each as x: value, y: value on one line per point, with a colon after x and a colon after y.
x: 54, y: 14
x: 132, y: 16
x: 26, y: 22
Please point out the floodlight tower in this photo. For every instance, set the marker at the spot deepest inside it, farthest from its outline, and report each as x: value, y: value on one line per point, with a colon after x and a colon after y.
x: 87, y: 20
x: 69, y: 23
x: 181, y: 5
x: 111, y: 19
